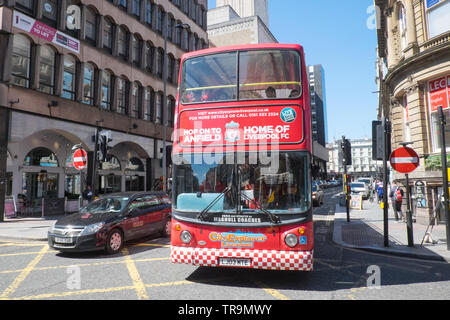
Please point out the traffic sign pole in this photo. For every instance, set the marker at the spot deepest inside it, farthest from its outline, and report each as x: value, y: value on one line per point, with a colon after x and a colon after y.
x: 443, y: 122
x: 409, y: 222
x: 405, y: 160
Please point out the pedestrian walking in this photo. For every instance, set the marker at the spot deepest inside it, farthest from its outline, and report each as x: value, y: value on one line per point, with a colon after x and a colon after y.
x: 396, y: 196
x: 380, y: 193
x: 88, y: 194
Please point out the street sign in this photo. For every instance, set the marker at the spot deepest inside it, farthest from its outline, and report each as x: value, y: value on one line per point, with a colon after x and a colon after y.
x: 404, y: 160
x: 79, y: 159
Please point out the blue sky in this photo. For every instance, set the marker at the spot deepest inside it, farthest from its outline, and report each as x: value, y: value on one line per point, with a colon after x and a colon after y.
x: 334, y: 34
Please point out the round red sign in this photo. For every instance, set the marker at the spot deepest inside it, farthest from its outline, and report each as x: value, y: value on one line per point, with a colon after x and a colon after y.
x: 79, y: 159
x: 404, y: 160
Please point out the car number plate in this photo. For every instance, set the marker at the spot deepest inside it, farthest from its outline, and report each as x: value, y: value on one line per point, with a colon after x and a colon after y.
x: 235, y: 262
x: 63, y: 240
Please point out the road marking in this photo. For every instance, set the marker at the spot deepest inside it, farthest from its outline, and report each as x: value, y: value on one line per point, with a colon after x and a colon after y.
x: 18, y: 244
x: 272, y: 292
x: 151, y: 245
x: 134, y: 274
x: 25, y: 253
x: 96, y: 264
x: 105, y: 290
x: 25, y: 272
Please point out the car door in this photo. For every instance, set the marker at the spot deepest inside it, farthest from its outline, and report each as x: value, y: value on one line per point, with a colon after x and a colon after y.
x: 134, y: 223
x: 166, y: 209
x: 153, y: 214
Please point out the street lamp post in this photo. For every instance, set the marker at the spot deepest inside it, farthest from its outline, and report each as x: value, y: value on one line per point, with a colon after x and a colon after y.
x: 164, y: 102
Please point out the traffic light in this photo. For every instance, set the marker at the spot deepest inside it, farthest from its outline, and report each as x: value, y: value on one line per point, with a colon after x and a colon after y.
x: 346, y: 151
x: 168, y: 155
x: 103, y: 141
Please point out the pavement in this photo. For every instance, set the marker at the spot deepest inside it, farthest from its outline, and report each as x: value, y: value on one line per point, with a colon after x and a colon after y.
x: 364, y: 231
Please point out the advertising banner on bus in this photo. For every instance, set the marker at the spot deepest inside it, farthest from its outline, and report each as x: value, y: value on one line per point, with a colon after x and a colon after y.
x: 241, y: 126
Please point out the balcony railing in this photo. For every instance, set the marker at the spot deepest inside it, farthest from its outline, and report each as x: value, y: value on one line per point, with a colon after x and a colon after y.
x: 436, y: 41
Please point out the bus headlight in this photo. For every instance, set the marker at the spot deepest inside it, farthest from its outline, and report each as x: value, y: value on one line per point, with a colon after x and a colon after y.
x: 291, y: 240
x: 185, y: 237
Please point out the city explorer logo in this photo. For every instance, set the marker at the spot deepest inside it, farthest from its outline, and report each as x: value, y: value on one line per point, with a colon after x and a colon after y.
x: 288, y: 115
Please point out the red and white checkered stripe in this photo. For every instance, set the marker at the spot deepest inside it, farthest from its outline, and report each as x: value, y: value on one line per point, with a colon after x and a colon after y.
x: 261, y: 259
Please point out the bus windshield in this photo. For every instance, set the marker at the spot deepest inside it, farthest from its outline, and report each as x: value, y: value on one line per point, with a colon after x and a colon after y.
x: 263, y: 74
x: 280, y: 187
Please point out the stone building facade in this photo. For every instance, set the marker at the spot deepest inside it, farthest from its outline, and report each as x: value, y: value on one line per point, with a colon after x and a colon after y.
x: 414, y: 56
x: 235, y: 22
x: 59, y: 83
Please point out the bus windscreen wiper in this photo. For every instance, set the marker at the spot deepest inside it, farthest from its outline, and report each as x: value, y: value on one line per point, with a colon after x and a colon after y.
x: 273, y: 217
x: 204, y: 213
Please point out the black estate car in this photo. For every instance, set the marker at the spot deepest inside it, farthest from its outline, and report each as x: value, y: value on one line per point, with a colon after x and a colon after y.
x: 109, y: 221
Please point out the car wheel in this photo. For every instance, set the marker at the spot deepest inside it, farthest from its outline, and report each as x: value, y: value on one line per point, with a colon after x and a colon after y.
x: 167, y: 228
x: 114, y: 242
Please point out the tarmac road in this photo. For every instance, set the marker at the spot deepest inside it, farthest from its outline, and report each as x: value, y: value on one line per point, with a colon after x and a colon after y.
x: 31, y: 270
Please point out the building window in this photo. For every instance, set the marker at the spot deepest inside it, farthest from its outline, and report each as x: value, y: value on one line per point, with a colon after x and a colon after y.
x: 21, y: 57
x: 150, y: 56
x: 179, y: 33
x: 50, y: 12
x: 438, y: 17
x: 123, y: 4
x: 160, y: 63
x: 402, y: 26
x: 88, y: 84
x: 137, y: 8
x: 69, y: 78
x: 107, y: 34
x: 123, y: 47
x: 159, y: 19
x: 71, y: 19
x: 170, y: 26
x: 136, y: 50
x: 91, y: 26
x: 26, y: 6
x: 170, y: 68
x: 121, y: 96
x: 148, y: 12
x: 106, y: 90
x: 135, y: 101
x: 47, y: 70
x: 148, y: 104
x: 170, y: 111
x: 158, y: 107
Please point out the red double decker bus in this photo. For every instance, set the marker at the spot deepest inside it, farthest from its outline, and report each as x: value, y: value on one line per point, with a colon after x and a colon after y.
x: 241, y: 181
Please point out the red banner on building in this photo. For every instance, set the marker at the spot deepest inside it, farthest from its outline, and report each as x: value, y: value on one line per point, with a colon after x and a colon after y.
x: 241, y: 126
x: 439, y: 93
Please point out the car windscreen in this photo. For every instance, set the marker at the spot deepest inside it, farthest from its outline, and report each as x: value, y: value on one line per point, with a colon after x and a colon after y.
x: 357, y: 185
x: 106, y: 204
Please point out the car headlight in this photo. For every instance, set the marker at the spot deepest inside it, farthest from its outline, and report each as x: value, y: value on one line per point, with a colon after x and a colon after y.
x: 291, y: 240
x: 93, y: 228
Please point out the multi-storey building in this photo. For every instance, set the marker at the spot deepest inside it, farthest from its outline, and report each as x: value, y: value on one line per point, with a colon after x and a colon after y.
x: 235, y: 22
x: 414, y: 53
x: 362, y: 163
x: 319, y: 128
x: 65, y: 73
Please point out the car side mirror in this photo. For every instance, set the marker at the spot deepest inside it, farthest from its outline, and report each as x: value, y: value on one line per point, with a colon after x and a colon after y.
x: 134, y: 212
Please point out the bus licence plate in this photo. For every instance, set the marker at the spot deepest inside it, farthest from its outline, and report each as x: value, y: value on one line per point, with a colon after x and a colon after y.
x: 63, y: 240
x: 234, y: 262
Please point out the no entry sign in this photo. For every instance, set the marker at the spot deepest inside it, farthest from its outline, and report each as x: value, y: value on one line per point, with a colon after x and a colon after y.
x: 79, y: 159
x: 404, y: 160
